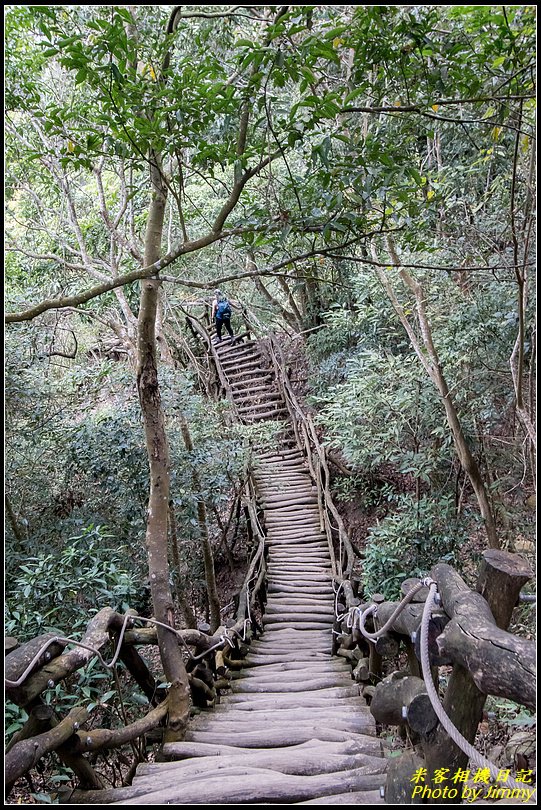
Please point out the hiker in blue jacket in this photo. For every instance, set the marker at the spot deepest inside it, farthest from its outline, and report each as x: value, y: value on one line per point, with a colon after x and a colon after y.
x: 221, y: 312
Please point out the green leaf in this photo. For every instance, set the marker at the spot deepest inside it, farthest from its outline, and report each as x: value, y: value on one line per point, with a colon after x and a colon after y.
x: 117, y: 74
x: 359, y: 91
x: 125, y: 14
x: 65, y: 41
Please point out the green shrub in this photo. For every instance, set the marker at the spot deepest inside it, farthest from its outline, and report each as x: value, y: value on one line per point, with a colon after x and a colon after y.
x: 408, y: 542
x: 60, y: 590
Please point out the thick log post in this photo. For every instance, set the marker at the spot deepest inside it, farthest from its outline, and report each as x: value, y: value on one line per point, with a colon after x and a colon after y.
x: 399, y: 787
x: 402, y: 698
x: 501, y: 577
x: 480, y: 648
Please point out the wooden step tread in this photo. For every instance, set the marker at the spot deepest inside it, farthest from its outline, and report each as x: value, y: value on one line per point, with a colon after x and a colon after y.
x: 245, y: 785
x: 292, y: 727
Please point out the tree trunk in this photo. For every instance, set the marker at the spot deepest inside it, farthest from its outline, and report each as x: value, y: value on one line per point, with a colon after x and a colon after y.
x: 163, y: 346
x: 291, y: 300
x: 467, y: 459
x: 289, y: 317
x: 158, y: 457
x: 13, y: 522
x: 430, y: 361
x: 189, y: 616
x: 311, y: 300
x: 208, y: 558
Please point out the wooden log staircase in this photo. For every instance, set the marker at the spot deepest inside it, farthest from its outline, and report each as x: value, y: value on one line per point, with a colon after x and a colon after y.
x: 293, y: 728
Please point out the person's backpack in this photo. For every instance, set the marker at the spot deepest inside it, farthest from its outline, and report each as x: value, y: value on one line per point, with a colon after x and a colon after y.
x: 223, y: 310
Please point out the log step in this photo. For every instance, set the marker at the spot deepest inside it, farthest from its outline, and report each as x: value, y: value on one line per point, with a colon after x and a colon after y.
x: 258, y: 785
x: 292, y: 727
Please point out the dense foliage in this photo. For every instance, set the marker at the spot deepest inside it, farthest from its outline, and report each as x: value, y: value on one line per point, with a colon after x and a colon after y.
x: 362, y: 172
x: 77, y: 483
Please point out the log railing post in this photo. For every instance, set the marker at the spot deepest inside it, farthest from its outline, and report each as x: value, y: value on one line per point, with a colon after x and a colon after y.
x: 501, y: 577
x: 463, y: 700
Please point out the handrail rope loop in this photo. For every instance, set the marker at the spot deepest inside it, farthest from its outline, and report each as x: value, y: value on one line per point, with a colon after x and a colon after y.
x: 372, y: 611
x: 340, y: 586
x: 478, y: 759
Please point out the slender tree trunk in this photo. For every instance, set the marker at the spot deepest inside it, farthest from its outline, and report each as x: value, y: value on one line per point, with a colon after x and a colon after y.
x: 289, y: 317
x: 186, y: 608
x: 224, y: 530
x: 312, y: 306
x: 158, y: 457
x: 208, y: 558
x: 13, y: 522
x: 516, y: 362
x: 291, y: 300
x: 467, y: 459
x: 430, y: 361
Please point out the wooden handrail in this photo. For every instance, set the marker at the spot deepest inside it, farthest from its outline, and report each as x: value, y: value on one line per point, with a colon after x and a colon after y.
x: 315, y: 453
x: 204, y: 334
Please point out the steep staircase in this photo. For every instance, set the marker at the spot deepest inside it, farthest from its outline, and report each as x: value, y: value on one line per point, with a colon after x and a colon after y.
x: 293, y: 728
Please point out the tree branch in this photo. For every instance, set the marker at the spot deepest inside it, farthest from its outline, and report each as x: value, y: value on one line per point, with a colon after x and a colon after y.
x: 418, y: 109
x: 127, y: 278
x: 362, y: 260
x: 154, y: 269
x: 441, y: 102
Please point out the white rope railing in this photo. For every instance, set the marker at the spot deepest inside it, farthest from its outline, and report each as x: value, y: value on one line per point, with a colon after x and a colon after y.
x: 356, y: 617
x: 478, y: 759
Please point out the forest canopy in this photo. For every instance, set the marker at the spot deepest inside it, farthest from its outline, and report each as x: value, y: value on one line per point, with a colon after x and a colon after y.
x: 360, y: 180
